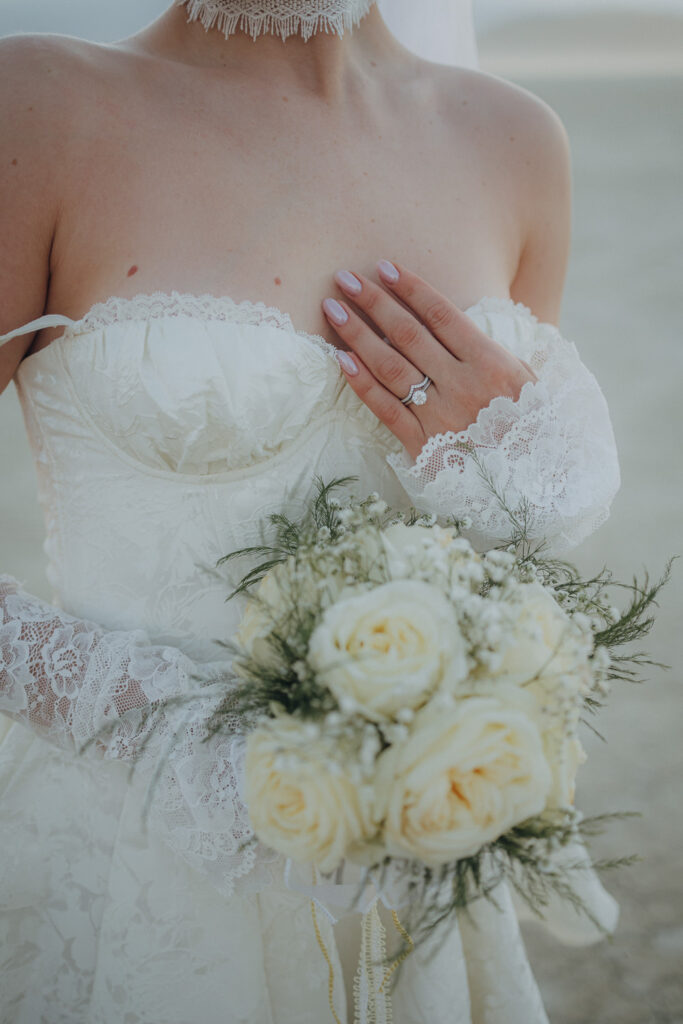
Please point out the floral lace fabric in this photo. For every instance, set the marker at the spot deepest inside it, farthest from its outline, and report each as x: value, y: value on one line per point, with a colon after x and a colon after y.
x: 72, y: 682
x: 164, y: 430
x: 283, y: 17
x: 551, y: 454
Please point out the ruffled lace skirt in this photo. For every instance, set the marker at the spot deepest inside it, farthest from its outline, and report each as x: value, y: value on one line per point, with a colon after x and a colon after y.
x: 100, y: 923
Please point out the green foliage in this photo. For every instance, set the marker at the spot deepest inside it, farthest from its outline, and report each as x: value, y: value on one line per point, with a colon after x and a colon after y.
x: 292, y: 536
x: 592, y: 594
x: 522, y: 856
x: 278, y: 678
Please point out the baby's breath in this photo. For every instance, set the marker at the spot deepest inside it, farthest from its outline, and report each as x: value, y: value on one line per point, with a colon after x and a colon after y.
x: 335, y: 548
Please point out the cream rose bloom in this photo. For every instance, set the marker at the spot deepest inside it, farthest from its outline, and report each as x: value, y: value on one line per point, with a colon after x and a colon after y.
x: 298, y: 804
x: 545, y: 672
x: 562, y: 748
x: 257, y: 620
x: 545, y: 640
x: 271, y: 599
x: 388, y: 648
x: 467, y: 773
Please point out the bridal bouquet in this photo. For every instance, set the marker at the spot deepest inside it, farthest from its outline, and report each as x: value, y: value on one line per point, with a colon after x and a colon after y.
x: 412, y: 706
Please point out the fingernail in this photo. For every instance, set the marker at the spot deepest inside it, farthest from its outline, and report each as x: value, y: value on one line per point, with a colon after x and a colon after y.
x: 348, y: 281
x: 347, y: 362
x: 336, y: 313
x: 388, y: 271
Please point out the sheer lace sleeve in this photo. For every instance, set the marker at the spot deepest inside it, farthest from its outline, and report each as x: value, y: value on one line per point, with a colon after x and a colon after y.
x: 70, y: 680
x: 552, y: 449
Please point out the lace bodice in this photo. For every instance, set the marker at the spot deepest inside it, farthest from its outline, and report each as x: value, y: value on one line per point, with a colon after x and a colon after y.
x: 216, y: 412
x: 164, y: 430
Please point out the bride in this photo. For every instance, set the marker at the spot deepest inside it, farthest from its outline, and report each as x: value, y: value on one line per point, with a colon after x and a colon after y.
x: 267, y: 241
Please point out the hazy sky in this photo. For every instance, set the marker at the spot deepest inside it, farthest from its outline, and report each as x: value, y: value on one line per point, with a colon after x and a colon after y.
x: 111, y: 19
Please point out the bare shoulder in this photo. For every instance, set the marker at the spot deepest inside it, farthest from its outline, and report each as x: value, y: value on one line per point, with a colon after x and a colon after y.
x: 523, y: 141
x: 512, y: 120
x: 47, y: 77
x: 35, y: 66
x: 43, y: 95
x: 41, y: 98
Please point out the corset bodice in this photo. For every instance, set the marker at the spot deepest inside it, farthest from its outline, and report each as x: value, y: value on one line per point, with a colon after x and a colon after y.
x: 166, y: 428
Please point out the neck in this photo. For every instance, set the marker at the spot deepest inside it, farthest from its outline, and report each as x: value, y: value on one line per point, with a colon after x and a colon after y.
x: 319, y: 65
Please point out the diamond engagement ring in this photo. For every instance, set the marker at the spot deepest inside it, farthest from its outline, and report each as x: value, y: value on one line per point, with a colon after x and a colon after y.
x: 417, y: 392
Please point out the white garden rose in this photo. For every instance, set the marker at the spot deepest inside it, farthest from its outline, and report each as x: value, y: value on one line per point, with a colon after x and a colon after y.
x: 273, y: 597
x: 545, y: 672
x: 544, y: 640
x: 467, y: 773
x: 298, y: 803
x: 387, y: 649
x: 262, y: 608
x: 561, y: 746
x: 259, y: 616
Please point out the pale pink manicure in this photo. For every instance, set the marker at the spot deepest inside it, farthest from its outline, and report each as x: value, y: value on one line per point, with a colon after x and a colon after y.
x: 335, y: 311
x: 348, y: 281
x: 347, y: 362
x: 388, y: 271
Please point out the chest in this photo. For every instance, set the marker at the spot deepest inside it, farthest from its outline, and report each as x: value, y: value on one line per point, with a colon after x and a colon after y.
x: 266, y: 202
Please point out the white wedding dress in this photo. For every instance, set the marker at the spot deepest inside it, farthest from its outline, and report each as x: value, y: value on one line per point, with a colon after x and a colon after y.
x: 164, y: 430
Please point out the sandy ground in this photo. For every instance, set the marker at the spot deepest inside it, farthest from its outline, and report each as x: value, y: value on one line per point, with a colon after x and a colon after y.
x: 624, y: 308
x: 596, y: 44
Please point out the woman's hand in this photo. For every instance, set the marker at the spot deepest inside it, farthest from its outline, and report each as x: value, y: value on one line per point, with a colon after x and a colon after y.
x: 431, y: 338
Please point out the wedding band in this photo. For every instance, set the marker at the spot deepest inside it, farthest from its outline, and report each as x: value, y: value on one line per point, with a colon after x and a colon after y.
x: 417, y: 392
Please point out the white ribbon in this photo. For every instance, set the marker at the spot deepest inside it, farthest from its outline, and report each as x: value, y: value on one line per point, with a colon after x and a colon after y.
x: 49, y: 320
x: 335, y: 895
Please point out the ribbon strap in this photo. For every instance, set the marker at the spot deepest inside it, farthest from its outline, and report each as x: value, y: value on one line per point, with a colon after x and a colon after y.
x: 372, y: 1003
x: 371, y: 989
x: 328, y: 960
x: 410, y: 946
x: 49, y: 320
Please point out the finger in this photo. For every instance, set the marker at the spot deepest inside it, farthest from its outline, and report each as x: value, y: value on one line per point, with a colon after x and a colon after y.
x: 528, y: 367
x: 453, y: 328
x: 388, y: 366
x: 386, y: 407
x: 399, y: 325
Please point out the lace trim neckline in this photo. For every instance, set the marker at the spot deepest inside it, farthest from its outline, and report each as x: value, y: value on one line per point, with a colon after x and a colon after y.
x: 158, y: 305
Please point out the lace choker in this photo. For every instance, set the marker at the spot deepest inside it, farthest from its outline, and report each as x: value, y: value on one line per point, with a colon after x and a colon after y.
x: 281, y: 17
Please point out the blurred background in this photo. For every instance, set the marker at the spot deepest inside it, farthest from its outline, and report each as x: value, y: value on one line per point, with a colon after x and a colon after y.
x: 613, y: 71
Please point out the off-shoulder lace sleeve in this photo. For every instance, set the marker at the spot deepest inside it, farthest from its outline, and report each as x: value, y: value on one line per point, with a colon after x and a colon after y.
x: 71, y: 680
x: 552, y: 450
